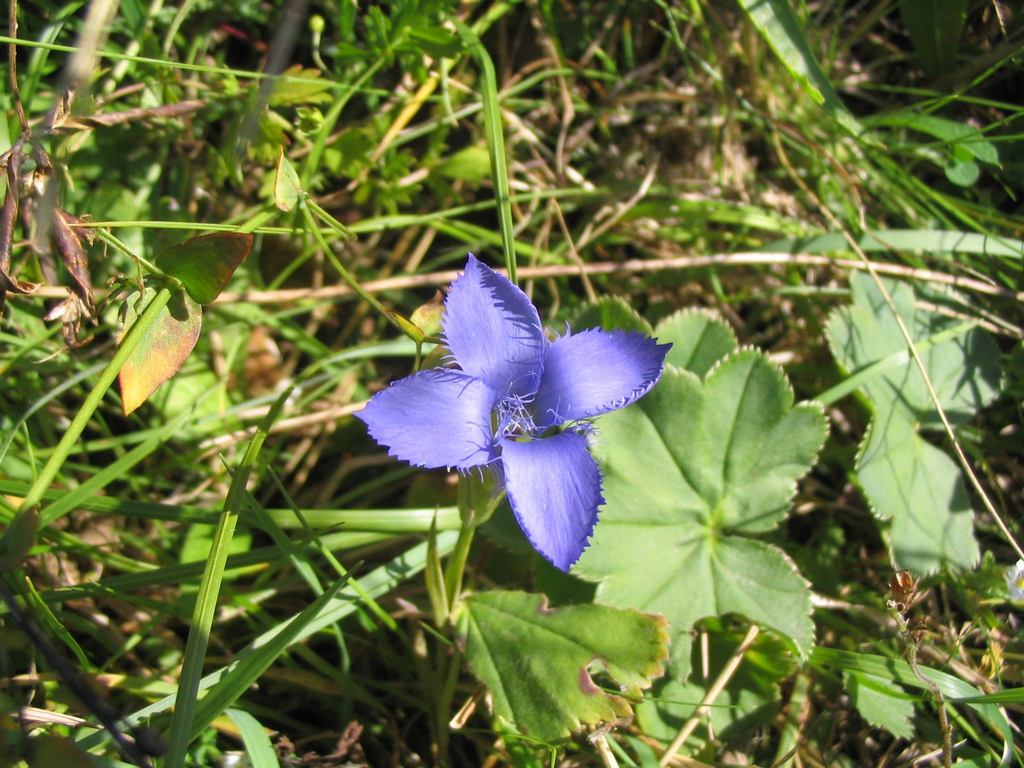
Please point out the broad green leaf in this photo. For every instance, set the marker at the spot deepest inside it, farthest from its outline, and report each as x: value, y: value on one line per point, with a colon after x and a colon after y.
x: 539, y: 663
x: 436, y: 41
x: 162, y: 351
x: 964, y: 370
x: 612, y: 313
x: 206, y: 263
x: 911, y: 482
x: 287, y: 187
x: 699, y: 339
x: 963, y: 173
x: 880, y: 703
x: 691, y: 470
x: 934, y: 27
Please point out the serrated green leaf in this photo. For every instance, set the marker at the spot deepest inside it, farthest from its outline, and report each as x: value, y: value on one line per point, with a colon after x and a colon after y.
x: 920, y: 488
x: 612, y: 313
x: 953, y: 688
x: 538, y: 662
x: 964, y: 370
x: 206, y: 263
x: 699, y: 339
x: 163, y: 349
x: 880, y: 703
x: 688, y: 469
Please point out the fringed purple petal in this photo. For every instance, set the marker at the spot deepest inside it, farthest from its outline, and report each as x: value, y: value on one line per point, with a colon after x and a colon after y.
x: 594, y: 372
x: 493, y: 331
x: 554, y: 487
x: 436, y: 418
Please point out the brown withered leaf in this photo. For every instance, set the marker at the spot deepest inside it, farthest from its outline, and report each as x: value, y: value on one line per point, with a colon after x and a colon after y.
x: 8, y: 213
x: 68, y: 244
x: 70, y: 313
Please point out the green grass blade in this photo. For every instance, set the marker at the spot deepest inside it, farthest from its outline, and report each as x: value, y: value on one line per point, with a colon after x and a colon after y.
x: 257, y: 743
x: 495, y: 143
x: 206, y: 599
x: 245, y: 671
x: 70, y: 500
x: 781, y: 29
x: 377, y: 583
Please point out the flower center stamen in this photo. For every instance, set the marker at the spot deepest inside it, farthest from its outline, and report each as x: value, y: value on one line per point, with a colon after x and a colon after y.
x: 514, y: 418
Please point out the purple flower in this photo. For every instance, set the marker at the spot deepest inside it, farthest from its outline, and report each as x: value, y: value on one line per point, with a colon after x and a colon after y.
x: 517, y: 403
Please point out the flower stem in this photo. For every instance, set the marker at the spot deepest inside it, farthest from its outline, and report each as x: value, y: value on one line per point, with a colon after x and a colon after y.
x: 457, y: 562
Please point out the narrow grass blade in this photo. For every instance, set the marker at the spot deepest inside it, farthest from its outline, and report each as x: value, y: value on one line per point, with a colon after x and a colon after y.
x: 378, y: 582
x: 67, y: 501
x: 206, y: 600
x: 257, y: 743
x: 781, y: 29
x: 495, y: 137
x: 240, y: 676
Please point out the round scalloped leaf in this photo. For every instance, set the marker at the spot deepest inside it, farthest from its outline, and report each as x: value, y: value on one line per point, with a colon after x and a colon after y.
x: 611, y: 313
x: 538, y: 662
x: 908, y: 480
x: 905, y: 478
x: 166, y: 345
x: 689, y: 470
x: 964, y: 370
x: 206, y: 263
x: 699, y: 339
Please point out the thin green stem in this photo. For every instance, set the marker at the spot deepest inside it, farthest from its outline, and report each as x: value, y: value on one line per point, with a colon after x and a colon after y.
x: 457, y: 562
x: 345, y: 274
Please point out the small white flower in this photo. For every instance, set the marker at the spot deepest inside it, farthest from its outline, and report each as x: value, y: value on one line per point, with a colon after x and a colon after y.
x: 1015, y: 580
